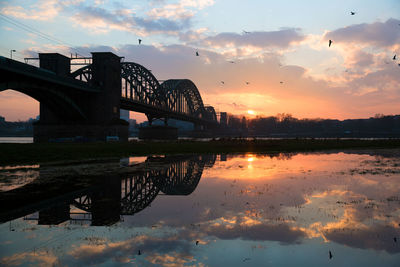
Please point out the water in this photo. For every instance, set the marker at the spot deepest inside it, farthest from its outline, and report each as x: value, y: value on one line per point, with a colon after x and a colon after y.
x: 21, y: 140
x: 205, y: 210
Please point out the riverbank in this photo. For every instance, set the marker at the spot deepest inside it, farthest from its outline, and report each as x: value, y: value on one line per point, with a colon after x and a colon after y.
x: 12, y: 154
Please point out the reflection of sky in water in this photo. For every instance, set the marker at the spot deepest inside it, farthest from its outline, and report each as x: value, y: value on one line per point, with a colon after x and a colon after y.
x: 249, y: 210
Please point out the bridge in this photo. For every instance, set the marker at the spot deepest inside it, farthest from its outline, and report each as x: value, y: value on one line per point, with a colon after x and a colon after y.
x: 104, y: 199
x: 87, y: 102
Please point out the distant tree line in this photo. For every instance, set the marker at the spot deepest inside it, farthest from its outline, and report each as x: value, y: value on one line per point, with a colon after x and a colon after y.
x: 16, y: 128
x: 283, y: 125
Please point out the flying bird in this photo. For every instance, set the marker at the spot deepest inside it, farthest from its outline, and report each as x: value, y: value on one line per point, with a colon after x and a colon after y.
x: 222, y: 82
x: 281, y: 82
x: 330, y: 255
x: 330, y: 43
x: 197, y: 54
x: 140, y: 41
x: 245, y: 32
x: 394, y: 57
x: 231, y: 61
x: 352, y: 13
x: 247, y: 83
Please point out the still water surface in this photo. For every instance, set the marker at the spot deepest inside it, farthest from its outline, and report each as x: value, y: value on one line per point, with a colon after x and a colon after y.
x: 18, y: 140
x: 315, y: 209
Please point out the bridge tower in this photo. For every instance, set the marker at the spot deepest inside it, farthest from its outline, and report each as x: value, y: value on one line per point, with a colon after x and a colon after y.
x: 100, y: 111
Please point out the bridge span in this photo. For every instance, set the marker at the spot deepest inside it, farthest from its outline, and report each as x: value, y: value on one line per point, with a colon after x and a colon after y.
x: 86, y: 103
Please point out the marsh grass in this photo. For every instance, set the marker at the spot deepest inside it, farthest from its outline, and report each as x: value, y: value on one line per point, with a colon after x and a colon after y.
x: 13, y: 154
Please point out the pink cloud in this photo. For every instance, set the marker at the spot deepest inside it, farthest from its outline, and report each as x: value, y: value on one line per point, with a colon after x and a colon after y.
x: 377, y: 34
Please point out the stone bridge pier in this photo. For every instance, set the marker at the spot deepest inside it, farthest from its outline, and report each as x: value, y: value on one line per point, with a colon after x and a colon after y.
x: 99, y: 117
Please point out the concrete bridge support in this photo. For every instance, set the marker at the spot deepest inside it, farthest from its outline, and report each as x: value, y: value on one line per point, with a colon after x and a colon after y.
x: 100, y: 111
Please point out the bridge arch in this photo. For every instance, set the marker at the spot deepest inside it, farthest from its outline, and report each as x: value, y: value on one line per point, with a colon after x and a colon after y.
x: 182, y: 95
x: 210, y: 113
x: 137, y: 83
x: 55, y: 100
x: 182, y: 177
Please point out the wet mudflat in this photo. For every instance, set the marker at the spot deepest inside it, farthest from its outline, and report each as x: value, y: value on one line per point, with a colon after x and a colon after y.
x: 299, y: 209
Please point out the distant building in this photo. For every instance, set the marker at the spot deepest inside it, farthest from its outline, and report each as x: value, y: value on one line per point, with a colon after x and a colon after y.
x: 2, y: 119
x: 223, y: 119
x: 124, y: 114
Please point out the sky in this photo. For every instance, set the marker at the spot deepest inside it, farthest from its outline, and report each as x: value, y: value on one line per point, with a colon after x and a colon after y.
x: 272, y: 56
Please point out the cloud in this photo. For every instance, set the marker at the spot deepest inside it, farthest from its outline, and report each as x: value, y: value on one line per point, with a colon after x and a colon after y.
x: 101, y: 21
x: 377, y: 34
x: 182, y: 9
x: 272, y: 39
x: 43, y: 10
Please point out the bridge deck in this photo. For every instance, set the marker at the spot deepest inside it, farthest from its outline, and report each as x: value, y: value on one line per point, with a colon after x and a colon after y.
x: 12, y: 67
x: 137, y: 106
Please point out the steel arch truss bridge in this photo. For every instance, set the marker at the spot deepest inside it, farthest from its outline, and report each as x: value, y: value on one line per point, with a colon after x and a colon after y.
x: 141, y: 92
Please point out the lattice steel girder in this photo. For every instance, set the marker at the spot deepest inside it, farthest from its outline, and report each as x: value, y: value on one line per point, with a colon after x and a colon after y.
x: 142, y: 82
x: 176, y: 98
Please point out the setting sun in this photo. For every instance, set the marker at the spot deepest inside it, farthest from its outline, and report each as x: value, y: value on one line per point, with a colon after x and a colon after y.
x: 251, y: 112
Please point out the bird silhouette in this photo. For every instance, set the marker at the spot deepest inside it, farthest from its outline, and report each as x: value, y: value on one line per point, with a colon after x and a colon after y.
x: 197, y: 54
x: 245, y: 32
x: 330, y: 43
x: 247, y: 83
x: 352, y: 13
x: 394, y: 57
x: 222, y: 82
x: 231, y: 61
x: 140, y: 41
x: 330, y: 255
x: 281, y: 82
x: 197, y: 242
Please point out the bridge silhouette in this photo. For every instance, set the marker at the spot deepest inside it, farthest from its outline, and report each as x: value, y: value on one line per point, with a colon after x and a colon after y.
x: 106, y: 198
x: 87, y: 102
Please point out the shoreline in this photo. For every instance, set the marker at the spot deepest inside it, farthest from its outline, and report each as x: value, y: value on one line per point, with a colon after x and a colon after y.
x: 38, y: 153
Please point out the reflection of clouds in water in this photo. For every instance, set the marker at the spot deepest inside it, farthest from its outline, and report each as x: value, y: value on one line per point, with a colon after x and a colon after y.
x: 174, y: 259
x: 11, y: 179
x: 377, y: 237
x: 37, y: 258
x: 256, y: 231
x: 348, y: 199
x: 127, y: 250
x: 310, y: 193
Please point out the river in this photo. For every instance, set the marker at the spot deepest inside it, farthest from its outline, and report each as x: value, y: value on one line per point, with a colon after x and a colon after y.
x: 297, y: 209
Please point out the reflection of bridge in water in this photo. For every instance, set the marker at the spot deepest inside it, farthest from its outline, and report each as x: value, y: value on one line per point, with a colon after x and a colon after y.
x: 115, y: 195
